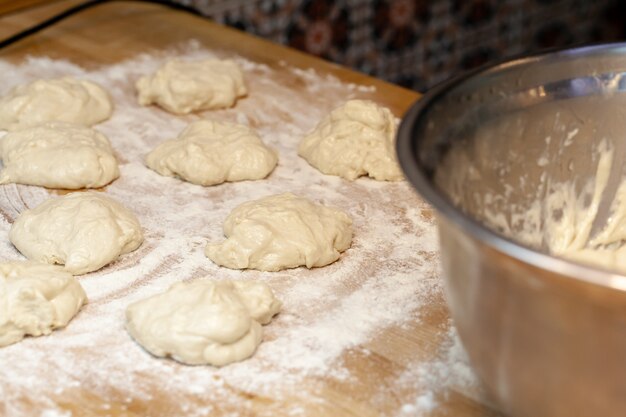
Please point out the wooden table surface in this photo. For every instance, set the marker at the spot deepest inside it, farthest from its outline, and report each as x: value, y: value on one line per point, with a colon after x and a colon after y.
x: 112, y: 32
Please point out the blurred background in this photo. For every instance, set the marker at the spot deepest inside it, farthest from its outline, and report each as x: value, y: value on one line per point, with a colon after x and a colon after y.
x: 419, y: 43
x: 413, y: 43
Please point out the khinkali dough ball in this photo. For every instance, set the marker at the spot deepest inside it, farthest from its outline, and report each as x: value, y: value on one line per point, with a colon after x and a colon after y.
x: 83, y: 231
x: 58, y: 155
x: 59, y: 99
x: 209, y: 153
x: 355, y: 139
x: 203, y: 322
x: 282, y: 231
x: 36, y: 299
x: 182, y: 87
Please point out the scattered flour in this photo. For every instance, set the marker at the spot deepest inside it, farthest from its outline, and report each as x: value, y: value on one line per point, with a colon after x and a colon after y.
x: 382, y: 282
x: 435, y: 380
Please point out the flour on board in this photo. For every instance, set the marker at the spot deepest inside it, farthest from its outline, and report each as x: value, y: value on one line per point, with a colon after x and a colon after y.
x: 384, y: 280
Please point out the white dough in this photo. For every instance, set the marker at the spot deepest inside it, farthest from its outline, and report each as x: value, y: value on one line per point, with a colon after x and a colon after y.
x: 60, y: 99
x: 570, y: 234
x: 182, y: 87
x: 355, y: 139
x: 35, y: 299
x: 58, y: 155
x: 282, y: 231
x: 208, y: 153
x: 203, y: 322
x: 83, y: 231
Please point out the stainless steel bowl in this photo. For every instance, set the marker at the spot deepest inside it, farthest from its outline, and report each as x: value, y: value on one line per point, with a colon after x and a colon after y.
x: 546, y: 335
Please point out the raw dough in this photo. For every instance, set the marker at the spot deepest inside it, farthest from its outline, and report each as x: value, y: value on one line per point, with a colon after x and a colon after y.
x: 203, y: 322
x: 282, y: 231
x: 567, y: 217
x: 208, y: 153
x: 182, y: 87
x: 570, y: 235
x: 355, y: 139
x: 35, y: 299
x: 58, y: 155
x: 83, y: 231
x: 60, y: 99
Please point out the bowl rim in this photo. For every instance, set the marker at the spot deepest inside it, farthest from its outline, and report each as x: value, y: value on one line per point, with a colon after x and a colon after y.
x: 414, y: 172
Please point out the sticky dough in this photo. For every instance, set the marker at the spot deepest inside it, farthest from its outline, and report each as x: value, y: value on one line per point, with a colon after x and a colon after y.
x: 36, y: 299
x: 60, y: 99
x: 203, y: 322
x: 209, y: 153
x: 182, y: 87
x: 570, y: 234
x: 353, y: 140
x: 282, y: 231
x: 83, y: 231
x: 58, y: 155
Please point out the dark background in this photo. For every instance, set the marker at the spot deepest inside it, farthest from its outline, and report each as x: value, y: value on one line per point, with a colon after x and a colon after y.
x: 418, y: 43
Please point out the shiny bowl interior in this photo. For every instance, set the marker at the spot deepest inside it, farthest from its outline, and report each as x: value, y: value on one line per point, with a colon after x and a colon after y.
x: 481, y: 149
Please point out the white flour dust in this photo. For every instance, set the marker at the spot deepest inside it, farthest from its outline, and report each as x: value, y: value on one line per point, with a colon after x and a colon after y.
x: 93, y: 367
x: 434, y: 380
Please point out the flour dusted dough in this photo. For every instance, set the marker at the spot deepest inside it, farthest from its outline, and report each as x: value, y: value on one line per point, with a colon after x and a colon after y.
x: 83, y: 231
x: 353, y: 140
x: 203, y: 322
x: 282, y: 231
x: 182, y: 87
x: 35, y: 299
x: 208, y: 153
x: 60, y: 99
x: 58, y: 155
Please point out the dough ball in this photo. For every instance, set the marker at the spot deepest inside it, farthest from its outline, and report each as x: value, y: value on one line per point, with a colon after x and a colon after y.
x: 355, y: 139
x: 60, y: 99
x: 58, y: 155
x: 282, y: 231
x: 203, y: 322
x: 182, y: 87
x: 258, y: 299
x: 35, y: 299
x: 209, y: 153
x: 83, y: 231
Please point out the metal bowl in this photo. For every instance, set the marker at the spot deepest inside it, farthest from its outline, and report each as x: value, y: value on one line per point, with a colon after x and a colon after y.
x: 546, y: 335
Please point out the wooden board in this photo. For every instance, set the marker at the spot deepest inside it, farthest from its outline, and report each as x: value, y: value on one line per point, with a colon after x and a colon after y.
x: 377, y: 378
x: 9, y: 6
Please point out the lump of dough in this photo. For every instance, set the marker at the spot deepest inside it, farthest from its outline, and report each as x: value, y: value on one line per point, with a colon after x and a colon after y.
x: 209, y: 153
x: 35, y: 299
x: 182, y: 87
x: 60, y: 99
x: 83, y: 231
x: 203, y: 322
x: 282, y: 231
x: 353, y: 140
x: 58, y: 155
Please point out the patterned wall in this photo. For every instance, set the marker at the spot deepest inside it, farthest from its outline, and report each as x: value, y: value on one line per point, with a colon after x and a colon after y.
x: 418, y: 43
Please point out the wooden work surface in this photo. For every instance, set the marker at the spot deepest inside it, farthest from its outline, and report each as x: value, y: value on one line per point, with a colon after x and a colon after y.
x: 114, y: 32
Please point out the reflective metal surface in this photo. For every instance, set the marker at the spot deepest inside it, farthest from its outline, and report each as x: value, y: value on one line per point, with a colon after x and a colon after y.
x: 547, y: 336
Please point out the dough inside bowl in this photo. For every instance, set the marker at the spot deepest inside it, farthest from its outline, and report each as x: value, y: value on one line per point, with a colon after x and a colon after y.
x: 550, y: 176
